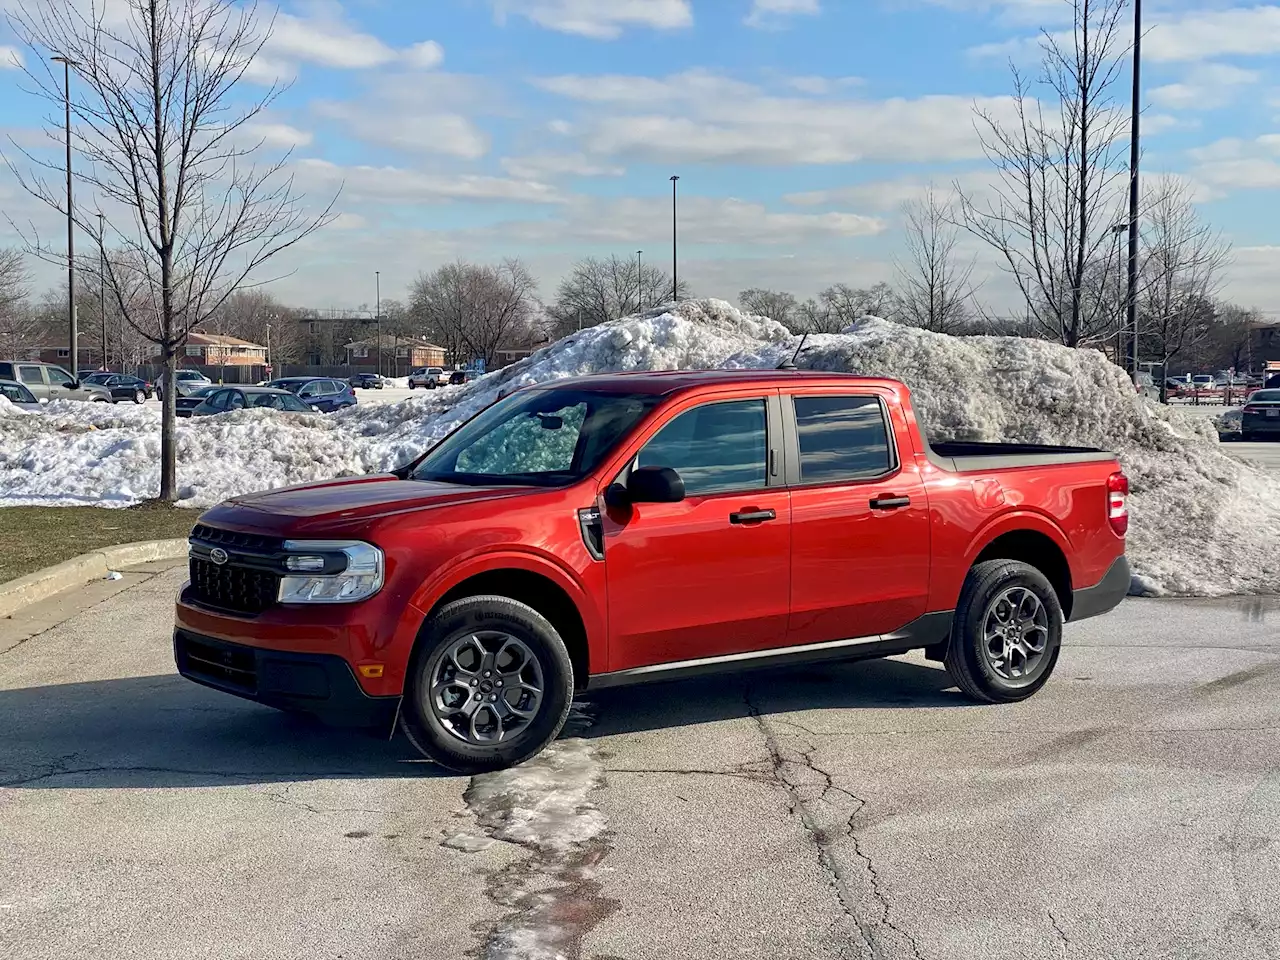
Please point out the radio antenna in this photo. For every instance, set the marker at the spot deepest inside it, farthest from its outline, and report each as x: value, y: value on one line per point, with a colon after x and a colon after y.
x: 791, y: 364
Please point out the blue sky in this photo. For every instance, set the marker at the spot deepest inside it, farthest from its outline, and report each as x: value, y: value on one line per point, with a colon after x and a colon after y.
x: 547, y: 129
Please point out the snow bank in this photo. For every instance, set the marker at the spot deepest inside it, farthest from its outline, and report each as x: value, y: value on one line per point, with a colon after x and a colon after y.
x: 1203, y: 523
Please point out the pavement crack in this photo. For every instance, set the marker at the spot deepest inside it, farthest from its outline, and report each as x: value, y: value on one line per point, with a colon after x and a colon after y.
x: 283, y: 797
x: 1062, y: 934
x: 828, y: 813
x: 737, y: 774
x: 60, y: 771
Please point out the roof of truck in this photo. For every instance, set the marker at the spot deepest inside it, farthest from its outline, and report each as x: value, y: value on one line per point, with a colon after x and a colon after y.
x: 667, y: 381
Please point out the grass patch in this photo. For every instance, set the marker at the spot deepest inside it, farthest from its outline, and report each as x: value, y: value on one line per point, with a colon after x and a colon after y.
x: 32, y: 538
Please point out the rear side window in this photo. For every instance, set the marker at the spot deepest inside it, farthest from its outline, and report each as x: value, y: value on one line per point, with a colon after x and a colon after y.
x: 30, y: 375
x: 16, y: 393
x: 716, y: 448
x: 841, y: 438
x: 6, y: 371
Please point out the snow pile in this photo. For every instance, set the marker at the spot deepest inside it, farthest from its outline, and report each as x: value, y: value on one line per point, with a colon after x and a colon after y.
x: 1203, y: 523
x: 10, y: 409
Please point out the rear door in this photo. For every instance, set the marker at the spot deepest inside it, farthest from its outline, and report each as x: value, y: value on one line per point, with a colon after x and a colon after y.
x: 32, y: 374
x: 707, y: 576
x: 859, y: 520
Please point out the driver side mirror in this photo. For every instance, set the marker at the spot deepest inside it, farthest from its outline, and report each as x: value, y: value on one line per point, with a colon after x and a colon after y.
x: 648, y: 485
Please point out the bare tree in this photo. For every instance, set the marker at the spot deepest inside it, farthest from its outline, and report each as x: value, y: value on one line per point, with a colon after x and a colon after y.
x: 774, y: 304
x: 18, y: 325
x: 1060, y: 171
x: 838, y: 306
x: 599, y: 290
x: 475, y: 310
x: 257, y: 316
x: 1181, y: 272
x: 166, y: 156
x: 935, y: 286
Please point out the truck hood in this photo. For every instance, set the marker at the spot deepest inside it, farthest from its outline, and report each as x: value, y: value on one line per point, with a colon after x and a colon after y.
x: 316, y: 505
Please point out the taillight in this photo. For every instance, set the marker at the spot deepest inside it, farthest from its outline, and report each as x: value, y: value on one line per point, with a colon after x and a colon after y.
x: 1118, y: 503
x: 1251, y: 409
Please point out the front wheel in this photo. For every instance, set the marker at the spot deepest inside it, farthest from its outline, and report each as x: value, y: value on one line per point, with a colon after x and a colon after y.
x: 1007, y: 632
x: 140, y: 397
x: 489, y: 686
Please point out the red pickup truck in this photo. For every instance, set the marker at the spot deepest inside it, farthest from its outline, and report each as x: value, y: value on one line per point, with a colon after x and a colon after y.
x: 631, y: 527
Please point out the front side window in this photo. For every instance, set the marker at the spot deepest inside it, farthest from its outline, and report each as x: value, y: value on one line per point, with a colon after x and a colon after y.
x: 715, y: 448
x: 59, y: 377
x: 539, y: 437
x: 30, y: 375
x: 841, y: 438
x: 218, y: 401
x: 287, y: 401
x: 235, y: 401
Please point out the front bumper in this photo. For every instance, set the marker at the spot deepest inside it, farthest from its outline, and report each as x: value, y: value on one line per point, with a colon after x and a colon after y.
x: 315, y: 683
x: 1103, y: 596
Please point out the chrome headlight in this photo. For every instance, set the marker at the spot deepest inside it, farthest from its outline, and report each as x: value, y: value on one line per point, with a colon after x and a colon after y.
x: 330, y: 571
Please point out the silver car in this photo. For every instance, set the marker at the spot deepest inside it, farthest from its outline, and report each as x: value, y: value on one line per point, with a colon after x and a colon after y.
x: 49, y: 382
x: 19, y: 395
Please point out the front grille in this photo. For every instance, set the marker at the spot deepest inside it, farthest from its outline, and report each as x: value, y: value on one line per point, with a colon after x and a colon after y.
x: 234, y: 588
x: 224, y: 665
x: 240, y: 541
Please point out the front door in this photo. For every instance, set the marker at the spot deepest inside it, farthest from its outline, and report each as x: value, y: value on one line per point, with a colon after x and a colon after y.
x: 60, y: 384
x: 859, y: 522
x: 707, y: 576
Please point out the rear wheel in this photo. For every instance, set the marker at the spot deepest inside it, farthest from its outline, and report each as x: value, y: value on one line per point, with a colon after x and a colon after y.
x: 489, y: 686
x: 1007, y: 632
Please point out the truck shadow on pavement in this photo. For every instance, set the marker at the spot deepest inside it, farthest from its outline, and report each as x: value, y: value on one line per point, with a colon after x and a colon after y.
x: 164, y: 731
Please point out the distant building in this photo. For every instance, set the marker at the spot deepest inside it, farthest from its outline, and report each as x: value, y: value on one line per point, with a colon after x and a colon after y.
x: 400, y: 355
x: 216, y: 350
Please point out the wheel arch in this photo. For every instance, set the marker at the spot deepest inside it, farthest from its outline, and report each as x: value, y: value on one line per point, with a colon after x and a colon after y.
x: 1036, y: 547
x: 538, y: 583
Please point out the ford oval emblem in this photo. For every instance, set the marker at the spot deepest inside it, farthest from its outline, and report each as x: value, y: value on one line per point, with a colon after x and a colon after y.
x: 218, y: 556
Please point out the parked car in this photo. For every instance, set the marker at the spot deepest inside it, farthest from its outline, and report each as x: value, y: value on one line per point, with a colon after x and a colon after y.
x: 19, y: 395
x: 617, y: 529
x: 1204, y: 381
x: 428, y: 377
x: 461, y: 376
x: 183, y: 406
x: 185, y: 383
x: 225, y: 399
x: 1260, y: 418
x: 367, y: 381
x: 123, y: 387
x: 50, y: 382
x: 323, y: 393
x: 1146, y: 386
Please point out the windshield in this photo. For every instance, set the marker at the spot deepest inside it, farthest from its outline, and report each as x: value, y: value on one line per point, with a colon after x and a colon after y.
x: 544, y: 437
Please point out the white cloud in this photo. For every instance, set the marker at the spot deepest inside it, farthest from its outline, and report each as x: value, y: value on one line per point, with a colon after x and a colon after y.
x: 702, y: 117
x: 821, y: 86
x: 1205, y: 86
x: 769, y: 13
x: 540, y: 166
x: 885, y: 195
x: 1205, y: 34
x: 599, y: 19
x: 399, y: 187
x: 450, y: 134
x: 10, y: 58
x: 1235, y: 164
x: 424, y: 56
x: 278, y: 135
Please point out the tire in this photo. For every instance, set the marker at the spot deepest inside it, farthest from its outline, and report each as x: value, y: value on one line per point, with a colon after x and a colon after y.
x: 410, y: 384
x: 493, y: 621
x: 975, y: 669
x: 140, y: 397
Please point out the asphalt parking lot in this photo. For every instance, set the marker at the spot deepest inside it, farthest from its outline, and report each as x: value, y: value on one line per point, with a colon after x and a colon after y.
x: 1131, y: 809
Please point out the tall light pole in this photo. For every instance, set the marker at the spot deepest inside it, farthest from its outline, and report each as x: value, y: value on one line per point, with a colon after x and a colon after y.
x: 639, y: 283
x: 377, y: 313
x: 102, y: 291
x: 675, y: 259
x: 1121, y: 324
x: 73, y: 334
x: 1132, y: 295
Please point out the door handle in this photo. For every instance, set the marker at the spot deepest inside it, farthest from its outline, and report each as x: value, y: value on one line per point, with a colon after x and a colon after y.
x: 890, y: 503
x: 753, y: 516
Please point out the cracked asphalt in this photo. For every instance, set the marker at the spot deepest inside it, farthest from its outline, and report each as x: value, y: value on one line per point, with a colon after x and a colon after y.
x: 1131, y: 809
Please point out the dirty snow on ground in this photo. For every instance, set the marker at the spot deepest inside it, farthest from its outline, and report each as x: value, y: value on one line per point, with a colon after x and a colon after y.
x: 544, y: 806
x: 1203, y: 523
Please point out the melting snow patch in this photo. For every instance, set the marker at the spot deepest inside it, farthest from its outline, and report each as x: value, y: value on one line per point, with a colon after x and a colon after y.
x: 1203, y: 523
x: 543, y: 806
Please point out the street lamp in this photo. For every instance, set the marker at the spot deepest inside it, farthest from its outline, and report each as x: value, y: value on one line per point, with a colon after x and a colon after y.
x: 639, y: 283
x: 377, y: 313
x: 102, y: 291
x: 71, y: 241
x: 675, y: 260
x: 1132, y: 294
x: 1121, y: 325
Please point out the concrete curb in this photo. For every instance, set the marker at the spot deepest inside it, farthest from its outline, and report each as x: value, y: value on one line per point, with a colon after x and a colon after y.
x: 87, y: 567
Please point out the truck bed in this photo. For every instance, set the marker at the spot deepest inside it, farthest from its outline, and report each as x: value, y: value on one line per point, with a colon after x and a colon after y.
x: 964, y: 456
